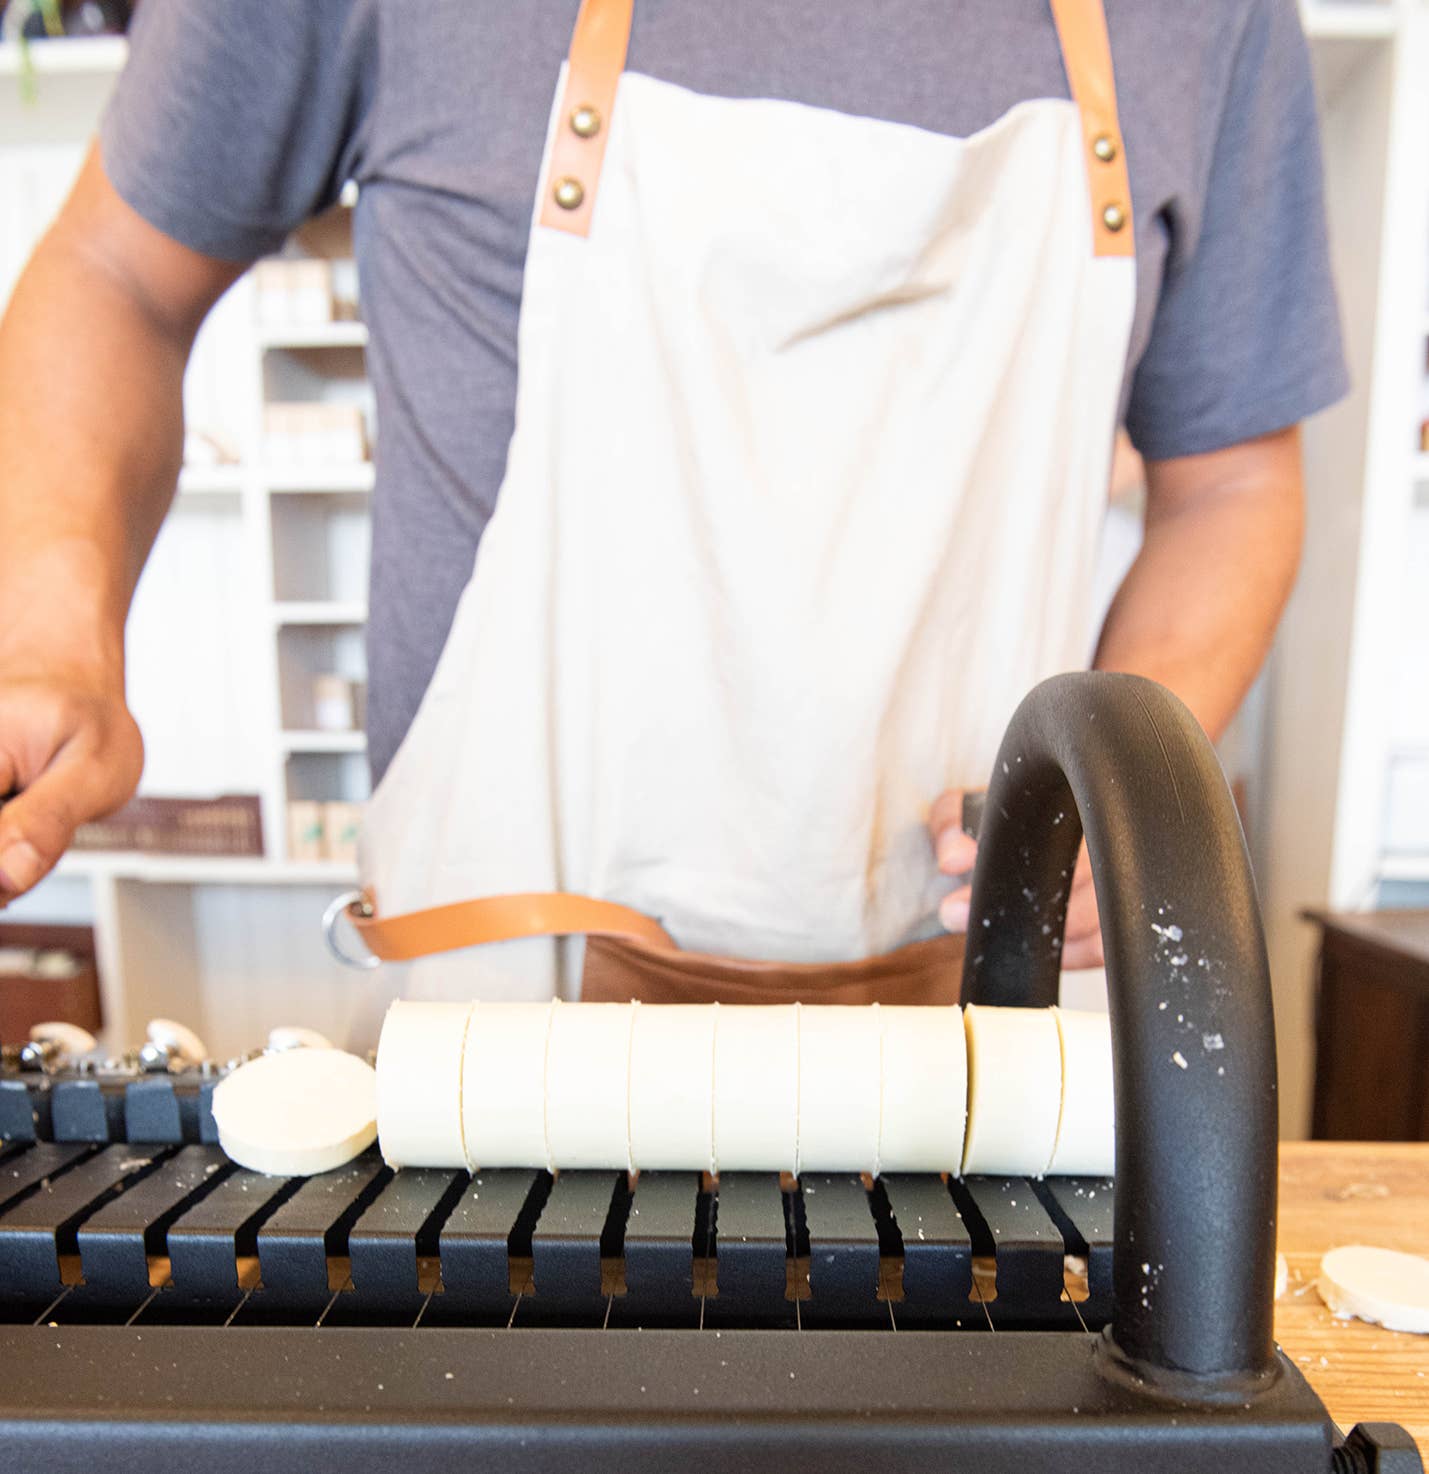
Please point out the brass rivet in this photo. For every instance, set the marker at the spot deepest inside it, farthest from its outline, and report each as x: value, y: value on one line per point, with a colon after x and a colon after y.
x: 585, y: 121
x: 1104, y: 147
x: 1113, y: 217
x: 569, y: 193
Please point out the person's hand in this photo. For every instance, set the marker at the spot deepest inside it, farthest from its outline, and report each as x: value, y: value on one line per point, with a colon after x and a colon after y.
x: 957, y: 852
x: 70, y: 752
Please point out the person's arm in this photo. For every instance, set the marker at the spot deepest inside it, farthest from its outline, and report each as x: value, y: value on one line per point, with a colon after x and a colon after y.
x: 1199, y: 606
x: 1197, y: 612
x: 92, y: 355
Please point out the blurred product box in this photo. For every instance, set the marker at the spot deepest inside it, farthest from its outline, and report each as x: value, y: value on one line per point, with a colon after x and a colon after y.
x: 294, y: 293
x: 47, y: 973
x: 337, y: 703
x: 305, y: 829
x: 323, y: 831
x: 305, y: 434
x: 229, y: 825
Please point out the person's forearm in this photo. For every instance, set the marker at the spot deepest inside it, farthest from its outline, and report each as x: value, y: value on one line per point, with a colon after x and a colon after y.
x: 91, y: 440
x: 1198, y: 610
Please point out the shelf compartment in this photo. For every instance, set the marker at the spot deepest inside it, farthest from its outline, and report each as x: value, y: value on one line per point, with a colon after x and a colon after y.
x: 327, y: 777
x: 321, y: 551
x: 306, y: 652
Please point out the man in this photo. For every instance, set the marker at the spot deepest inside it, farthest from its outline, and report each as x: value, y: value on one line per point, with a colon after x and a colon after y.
x: 822, y: 334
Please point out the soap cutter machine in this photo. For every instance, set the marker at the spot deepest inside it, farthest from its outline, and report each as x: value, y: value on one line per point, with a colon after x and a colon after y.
x: 157, y: 1302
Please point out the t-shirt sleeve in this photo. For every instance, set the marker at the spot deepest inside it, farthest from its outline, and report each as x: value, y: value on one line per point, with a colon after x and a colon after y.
x: 234, y: 122
x: 1246, y: 336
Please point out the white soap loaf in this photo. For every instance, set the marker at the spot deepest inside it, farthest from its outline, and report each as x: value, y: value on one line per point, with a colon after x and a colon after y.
x: 1086, y: 1127
x: 756, y: 1088
x: 840, y: 1079
x: 588, y: 1085
x: 726, y: 1088
x: 924, y: 1074
x: 503, y: 1090
x: 1014, y: 1090
x: 672, y: 1087
x: 419, y: 1085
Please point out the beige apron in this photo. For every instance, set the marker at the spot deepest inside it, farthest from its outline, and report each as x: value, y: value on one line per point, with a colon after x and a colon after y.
x: 813, y: 430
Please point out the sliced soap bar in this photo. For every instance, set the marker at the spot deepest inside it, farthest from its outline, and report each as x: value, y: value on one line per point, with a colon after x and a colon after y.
x: 1014, y: 1090
x: 1379, y: 1285
x: 839, y: 1076
x: 588, y: 1085
x: 1086, y: 1126
x: 297, y: 1113
x: 503, y: 1089
x: 419, y: 1082
x: 924, y: 1075
x: 756, y: 1088
x: 672, y: 1087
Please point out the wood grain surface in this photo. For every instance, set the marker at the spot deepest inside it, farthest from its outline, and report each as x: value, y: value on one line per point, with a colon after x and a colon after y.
x: 1334, y: 1193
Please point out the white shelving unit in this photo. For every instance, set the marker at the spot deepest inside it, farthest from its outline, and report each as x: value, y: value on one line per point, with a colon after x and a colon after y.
x: 258, y: 582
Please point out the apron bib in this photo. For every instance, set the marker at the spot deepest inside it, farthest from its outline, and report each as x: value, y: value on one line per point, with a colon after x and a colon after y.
x: 813, y: 431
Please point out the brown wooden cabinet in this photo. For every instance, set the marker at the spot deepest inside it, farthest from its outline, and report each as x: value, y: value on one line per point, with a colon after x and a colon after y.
x: 1372, y: 1026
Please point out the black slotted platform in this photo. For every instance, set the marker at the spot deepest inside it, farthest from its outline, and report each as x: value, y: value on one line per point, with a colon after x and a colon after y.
x: 41, y: 1226
x: 490, y: 1225
x: 843, y: 1250
x: 296, y: 1242
x: 116, y: 1241
x: 660, y: 1252
x: 937, y: 1252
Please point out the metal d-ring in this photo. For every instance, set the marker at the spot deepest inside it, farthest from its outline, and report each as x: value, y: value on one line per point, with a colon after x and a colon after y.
x: 348, y: 901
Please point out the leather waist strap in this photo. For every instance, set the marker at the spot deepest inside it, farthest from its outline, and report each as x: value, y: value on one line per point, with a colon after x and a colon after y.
x: 499, y: 919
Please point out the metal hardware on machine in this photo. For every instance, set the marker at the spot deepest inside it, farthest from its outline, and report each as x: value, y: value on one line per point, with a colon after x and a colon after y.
x: 159, y: 1302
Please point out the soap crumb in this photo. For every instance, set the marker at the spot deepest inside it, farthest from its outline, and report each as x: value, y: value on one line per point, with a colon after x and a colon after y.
x: 1179, y: 1060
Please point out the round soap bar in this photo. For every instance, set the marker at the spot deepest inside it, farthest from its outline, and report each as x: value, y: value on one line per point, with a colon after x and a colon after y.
x: 298, y: 1112
x: 419, y: 1083
x: 1086, y: 1128
x: 73, y: 1040
x: 1380, y: 1285
x: 756, y: 1088
x: 503, y: 1090
x: 588, y: 1085
x: 672, y: 1087
x: 839, y: 1077
x: 924, y: 1072
x: 1014, y: 1090
x: 295, y: 1036
x: 178, y: 1038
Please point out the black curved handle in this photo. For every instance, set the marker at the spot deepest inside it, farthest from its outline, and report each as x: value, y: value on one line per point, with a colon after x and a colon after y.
x: 1192, y: 1028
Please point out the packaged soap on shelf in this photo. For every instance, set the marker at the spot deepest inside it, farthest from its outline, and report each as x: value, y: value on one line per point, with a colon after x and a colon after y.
x: 335, y: 703
x: 307, y: 434
x: 341, y: 825
x: 305, y: 829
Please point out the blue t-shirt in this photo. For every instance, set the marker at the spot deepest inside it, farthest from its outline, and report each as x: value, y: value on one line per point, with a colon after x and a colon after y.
x: 235, y: 122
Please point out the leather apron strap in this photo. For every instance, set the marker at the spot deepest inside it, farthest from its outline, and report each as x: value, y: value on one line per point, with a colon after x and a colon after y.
x: 1086, y: 54
x: 583, y: 120
x: 597, y: 58
x: 498, y: 919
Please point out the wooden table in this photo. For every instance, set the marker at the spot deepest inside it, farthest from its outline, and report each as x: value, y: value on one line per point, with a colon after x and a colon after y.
x: 1334, y: 1193
x: 1372, y: 1026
